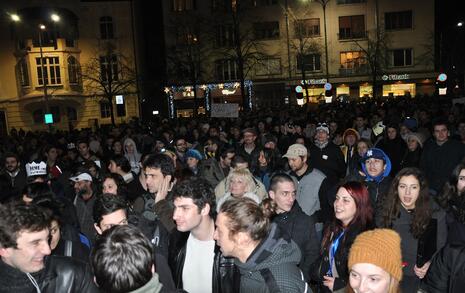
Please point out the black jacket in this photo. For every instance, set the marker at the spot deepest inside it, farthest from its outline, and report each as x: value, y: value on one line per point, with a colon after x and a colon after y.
x: 438, y: 161
x: 328, y: 160
x: 447, y: 271
x: 61, y: 274
x: 320, y: 267
x: 225, y: 278
x: 301, y: 229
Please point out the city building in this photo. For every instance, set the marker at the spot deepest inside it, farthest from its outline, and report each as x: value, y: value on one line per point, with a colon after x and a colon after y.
x: 69, y: 59
x: 296, y: 51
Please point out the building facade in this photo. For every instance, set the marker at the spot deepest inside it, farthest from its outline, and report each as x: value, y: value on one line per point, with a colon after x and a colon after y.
x: 65, y: 59
x: 292, y: 48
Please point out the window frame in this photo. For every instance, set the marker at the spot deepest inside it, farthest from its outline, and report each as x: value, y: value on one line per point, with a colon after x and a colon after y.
x: 404, y: 57
x: 263, y: 31
x: 395, y: 20
x: 307, y: 27
x: 107, y: 29
x: 105, y: 109
x: 316, y: 62
x: 232, y: 69
x: 73, y: 70
x: 23, y: 72
x: 348, y: 33
x: 52, y: 71
x: 106, y: 63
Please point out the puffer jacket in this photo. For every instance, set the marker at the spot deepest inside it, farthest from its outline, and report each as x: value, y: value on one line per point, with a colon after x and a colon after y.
x: 272, y: 267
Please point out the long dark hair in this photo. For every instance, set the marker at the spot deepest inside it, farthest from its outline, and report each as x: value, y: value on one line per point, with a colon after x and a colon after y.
x: 392, y: 204
x: 363, y: 218
x: 449, y: 190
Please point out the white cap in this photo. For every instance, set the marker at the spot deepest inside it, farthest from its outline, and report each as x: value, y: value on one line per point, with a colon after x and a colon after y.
x: 81, y: 177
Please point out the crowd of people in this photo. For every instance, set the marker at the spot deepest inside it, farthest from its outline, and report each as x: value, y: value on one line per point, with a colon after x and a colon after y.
x: 349, y: 197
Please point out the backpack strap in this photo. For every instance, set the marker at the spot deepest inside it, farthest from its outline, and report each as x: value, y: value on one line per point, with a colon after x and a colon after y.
x: 270, y: 281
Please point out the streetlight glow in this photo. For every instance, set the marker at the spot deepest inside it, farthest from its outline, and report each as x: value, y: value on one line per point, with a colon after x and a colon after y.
x: 55, y: 17
x: 42, y: 26
x: 15, y: 17
x: 460, y: 23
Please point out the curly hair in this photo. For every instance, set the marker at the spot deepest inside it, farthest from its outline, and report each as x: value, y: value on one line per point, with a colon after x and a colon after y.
x: 199, y: 190
x: 392, y: 204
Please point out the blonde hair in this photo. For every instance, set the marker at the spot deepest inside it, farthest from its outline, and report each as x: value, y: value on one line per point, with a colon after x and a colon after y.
x: 243, y: 173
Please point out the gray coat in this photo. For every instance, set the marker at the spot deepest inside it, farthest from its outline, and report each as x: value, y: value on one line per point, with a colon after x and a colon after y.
x: 275, y: 258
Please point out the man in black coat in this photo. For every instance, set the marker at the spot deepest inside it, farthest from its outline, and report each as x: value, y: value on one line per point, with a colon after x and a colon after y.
x: 326, y: 156
x: 25, y: 264
x: 440, y: 156
x: 292, y: 220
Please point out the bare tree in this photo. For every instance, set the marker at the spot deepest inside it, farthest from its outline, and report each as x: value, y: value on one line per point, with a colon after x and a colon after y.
x: 109, y: 73
x: 186, y: 55
x: 245, y: 50
x: 306, y: 46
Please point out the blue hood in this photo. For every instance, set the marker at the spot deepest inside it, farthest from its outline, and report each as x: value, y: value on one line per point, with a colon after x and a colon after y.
x: 380, y: 155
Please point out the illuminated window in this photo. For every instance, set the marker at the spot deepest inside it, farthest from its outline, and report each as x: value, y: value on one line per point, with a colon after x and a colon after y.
x: 352, y: 59
x: 51, y: 71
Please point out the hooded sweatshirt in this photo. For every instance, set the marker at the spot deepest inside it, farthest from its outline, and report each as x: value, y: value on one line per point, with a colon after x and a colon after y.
x: 133, y: 158
x: 275, y: 259
x: 152, y: 286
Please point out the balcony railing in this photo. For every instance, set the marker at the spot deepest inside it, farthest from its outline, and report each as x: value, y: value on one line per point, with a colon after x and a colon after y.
x: 358, y: 70
x: 349, y: 35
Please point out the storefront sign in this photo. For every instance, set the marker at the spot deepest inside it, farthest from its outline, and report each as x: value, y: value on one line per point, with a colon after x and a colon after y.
x: 387, y: 77
x: 299, y: 89
x: 315, y: 81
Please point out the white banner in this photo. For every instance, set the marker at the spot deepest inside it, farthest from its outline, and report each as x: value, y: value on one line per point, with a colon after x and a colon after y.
x: 225, y: 110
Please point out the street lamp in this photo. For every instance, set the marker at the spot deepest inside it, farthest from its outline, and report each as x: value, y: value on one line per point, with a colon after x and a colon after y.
x: 287, y: 37
x: 42, y: 27
x: 55, y: 18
